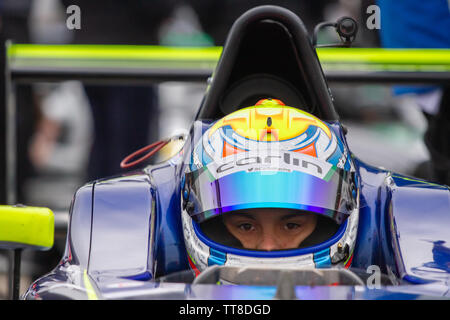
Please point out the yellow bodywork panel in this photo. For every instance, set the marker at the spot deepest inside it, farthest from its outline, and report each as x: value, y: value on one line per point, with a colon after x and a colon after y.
x: 26, y: 227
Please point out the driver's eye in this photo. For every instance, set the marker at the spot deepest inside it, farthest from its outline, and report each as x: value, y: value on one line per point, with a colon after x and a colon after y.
x: 292, y: 226
x: 246, y: 226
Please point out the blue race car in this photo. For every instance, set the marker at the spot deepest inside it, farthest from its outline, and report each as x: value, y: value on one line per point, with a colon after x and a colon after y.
x: 262, y: 199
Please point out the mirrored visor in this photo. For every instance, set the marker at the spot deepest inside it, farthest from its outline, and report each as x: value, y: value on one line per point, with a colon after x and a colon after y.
x: 247, y: 182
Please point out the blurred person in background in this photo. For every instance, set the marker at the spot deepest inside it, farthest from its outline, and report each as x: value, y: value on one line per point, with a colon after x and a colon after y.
x: 423, y: 24
x: 125, y: 117
x: 61, y: 143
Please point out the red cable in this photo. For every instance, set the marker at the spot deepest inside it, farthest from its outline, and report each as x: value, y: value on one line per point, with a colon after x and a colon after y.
x: 156, y: 145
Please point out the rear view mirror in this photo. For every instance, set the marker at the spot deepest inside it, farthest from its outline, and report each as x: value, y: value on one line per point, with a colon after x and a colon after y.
x: 23, y: 227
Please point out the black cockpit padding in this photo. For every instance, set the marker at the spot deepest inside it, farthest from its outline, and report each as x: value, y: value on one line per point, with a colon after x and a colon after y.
x: 271, y: 42
x: 249, y: 90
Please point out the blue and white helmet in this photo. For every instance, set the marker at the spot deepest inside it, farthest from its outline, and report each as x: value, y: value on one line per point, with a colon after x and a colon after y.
x: 268, y: 156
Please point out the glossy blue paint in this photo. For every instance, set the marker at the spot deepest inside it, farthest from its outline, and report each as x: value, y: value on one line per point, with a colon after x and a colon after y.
x: 441, y: 256
x: 368, y: 244
x: 421, y: 224
x: 171, y: 255
x: 79, y: 230
x: 121, y: 227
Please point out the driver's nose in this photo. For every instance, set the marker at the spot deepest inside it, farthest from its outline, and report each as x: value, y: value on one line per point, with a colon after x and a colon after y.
x: 269, y: 243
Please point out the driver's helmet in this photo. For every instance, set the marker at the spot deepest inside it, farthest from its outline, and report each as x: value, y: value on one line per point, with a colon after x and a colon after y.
x: 268, y: 157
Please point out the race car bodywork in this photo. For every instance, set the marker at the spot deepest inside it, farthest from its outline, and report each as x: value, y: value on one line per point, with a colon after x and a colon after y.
x: 125, y: 238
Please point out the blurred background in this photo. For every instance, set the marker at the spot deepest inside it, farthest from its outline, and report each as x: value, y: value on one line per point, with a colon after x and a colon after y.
x: 70, y: 133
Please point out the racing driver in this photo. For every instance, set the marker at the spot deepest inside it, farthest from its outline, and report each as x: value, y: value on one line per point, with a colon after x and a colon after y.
x: 268, y: 184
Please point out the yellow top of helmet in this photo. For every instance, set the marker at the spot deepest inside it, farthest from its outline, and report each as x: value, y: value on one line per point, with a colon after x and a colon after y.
x: 270, y: 120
